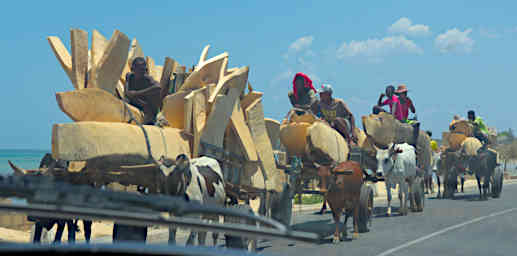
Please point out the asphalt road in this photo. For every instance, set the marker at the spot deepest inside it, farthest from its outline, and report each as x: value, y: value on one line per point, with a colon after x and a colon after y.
x: 463, y: 226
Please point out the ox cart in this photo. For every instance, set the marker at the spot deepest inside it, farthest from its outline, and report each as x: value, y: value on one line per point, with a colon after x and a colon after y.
x: 464, y: 154
x: 314, y: 150
x: 203, y: 112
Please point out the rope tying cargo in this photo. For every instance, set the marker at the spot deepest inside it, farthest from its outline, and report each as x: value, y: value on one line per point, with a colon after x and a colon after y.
x: 146, y: 136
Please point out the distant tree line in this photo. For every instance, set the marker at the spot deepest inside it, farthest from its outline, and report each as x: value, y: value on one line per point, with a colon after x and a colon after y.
x: 507, y: 146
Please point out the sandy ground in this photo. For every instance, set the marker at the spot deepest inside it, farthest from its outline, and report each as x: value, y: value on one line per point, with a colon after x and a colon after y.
x: 99, y: 229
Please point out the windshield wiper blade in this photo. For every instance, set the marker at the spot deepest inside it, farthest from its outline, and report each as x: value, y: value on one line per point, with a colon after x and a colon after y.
x: 51, y: 198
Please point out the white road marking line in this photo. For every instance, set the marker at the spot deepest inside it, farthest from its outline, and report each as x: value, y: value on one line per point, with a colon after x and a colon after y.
x: 390, y: 251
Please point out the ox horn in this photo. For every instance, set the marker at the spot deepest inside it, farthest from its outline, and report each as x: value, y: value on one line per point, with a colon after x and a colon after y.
x: 18, y: 171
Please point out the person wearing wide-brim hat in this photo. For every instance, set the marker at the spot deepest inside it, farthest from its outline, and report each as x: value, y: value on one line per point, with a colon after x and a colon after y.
x: 406, y: 105
x: 405, y: 102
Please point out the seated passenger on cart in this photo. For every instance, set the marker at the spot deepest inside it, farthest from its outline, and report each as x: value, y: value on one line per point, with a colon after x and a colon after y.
x: 335, y: 112
x: 303, y: 94
x: 405, y: 106
x: 400, y: 105
x: 302, y: 97
x: 480, y: 129
x: 142, y: 91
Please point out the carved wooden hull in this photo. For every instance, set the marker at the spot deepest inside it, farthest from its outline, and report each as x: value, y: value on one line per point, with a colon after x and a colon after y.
x: 293, y: 135
x: 115, y: 144
x: 92, y: 104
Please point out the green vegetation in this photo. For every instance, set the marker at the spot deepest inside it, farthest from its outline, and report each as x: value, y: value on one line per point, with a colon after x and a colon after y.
x: 507, y: 151
x: 309, y: 199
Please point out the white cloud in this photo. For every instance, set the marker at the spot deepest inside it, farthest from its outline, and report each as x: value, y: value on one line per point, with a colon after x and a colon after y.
x: 298, y: 57
x: 284, y: 76
x: 375, y: 48
x: 301, y: 44
x: 454, y: 40
x: 405, y: 26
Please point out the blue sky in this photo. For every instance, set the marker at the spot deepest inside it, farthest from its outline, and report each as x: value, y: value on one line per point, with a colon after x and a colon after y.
x: 453, y: 55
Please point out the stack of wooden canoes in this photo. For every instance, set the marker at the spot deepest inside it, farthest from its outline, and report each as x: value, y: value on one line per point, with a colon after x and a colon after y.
x: 207, y: 107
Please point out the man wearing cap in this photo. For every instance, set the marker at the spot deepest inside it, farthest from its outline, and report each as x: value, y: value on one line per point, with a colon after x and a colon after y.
x: 335, y: 112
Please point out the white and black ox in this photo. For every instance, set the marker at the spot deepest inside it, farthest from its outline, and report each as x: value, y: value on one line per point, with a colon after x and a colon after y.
x: 397, y: 164
x: 199, y: 180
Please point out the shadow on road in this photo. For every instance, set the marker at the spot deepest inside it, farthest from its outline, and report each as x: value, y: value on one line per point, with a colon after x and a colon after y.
x: 381, y: 212
x: 324, y: 228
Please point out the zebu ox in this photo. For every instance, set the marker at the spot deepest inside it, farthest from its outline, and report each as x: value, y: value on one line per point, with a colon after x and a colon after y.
x: 200, y: 180
x: 450, y: 164
x: 345, y: 193
x: 398, y: 165
x: 47, y: 165
x: 483, y: 164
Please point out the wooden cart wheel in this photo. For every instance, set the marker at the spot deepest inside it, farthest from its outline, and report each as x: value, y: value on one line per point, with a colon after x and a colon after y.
x: 497, y: 183
x: 365, y: 208
x: 417, y: 191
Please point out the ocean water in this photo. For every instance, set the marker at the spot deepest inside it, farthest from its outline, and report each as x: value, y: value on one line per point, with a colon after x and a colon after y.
x: 28, y: 159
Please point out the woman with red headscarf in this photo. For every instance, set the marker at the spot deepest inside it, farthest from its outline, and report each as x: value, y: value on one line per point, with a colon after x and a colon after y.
x: 303, y: 94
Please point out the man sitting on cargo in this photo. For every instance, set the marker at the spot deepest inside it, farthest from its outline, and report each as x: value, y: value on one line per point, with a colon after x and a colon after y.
x: 303, y: 94
x: 392, y: 101
x: 406, y: 105
x: 335, y: 112
x: 302, y: 97
x: 142, y: 91
x: 480, y: 129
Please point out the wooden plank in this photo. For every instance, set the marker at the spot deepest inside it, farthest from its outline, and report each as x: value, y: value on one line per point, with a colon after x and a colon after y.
x: 205, y: 73
x: 273, y: 132
x: 93, y: 104
x: 62, y: 55
x: 99, y: 43
x: 135, y: 50
x: 79, y: 43
x: 222, y: 108
x: 180, y: 77
x: 199, y: 115
x: 204, y: 53
x: 150, y: 65
x: 274, y: 177
x: 219, y: 86
x: 187, y: 113
x: 115, y: 144
x: 230, y: 70
x: 209, y: 90
x: 243, y: 133
x: 111, y: 64
x: 166, y: 76
x: 250, y: 98
x: 120, y: 90
x: 173, y: 109
x: 157, y: 73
